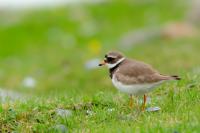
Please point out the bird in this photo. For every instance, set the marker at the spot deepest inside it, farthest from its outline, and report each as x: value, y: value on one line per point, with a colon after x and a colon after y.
x: 133, y: 77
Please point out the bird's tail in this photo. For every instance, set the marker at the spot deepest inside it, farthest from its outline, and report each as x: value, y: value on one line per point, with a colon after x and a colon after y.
x: 175, y: 77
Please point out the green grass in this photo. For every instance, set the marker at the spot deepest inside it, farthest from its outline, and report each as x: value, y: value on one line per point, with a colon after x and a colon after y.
x: 52, y: 47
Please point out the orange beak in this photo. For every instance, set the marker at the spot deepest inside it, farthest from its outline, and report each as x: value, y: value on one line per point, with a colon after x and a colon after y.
x: 102, y: 63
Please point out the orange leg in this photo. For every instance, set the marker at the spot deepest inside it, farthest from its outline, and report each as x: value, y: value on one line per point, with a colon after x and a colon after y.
x: 144, y: 103
x: 131, y: 101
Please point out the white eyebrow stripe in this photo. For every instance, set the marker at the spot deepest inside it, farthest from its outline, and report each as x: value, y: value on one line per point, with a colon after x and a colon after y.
x: 111, y: 56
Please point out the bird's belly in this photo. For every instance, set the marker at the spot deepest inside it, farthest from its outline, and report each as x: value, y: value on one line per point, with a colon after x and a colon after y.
x: 136, y: 89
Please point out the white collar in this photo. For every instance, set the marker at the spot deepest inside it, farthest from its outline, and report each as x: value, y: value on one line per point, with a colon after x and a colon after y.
x: 113, y: 65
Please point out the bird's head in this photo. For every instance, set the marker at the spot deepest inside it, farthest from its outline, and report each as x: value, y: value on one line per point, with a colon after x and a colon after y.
x: 112, y: 59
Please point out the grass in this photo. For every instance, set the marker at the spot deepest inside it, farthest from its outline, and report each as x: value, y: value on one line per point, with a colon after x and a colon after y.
x: 52, y: 46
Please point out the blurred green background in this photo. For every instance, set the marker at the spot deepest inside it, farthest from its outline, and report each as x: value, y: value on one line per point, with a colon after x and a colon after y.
x: 51, y: 46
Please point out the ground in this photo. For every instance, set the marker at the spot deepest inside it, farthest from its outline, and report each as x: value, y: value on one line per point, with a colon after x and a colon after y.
x: 52, y: 47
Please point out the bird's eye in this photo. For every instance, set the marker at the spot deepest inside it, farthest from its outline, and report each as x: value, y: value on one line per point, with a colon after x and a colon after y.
x: 109, y: 59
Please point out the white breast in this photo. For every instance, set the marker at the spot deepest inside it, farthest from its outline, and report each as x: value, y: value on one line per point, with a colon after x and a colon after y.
x: 136, y: 89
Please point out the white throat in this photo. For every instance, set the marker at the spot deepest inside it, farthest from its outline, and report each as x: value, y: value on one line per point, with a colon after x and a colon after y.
x: 113, y: 65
